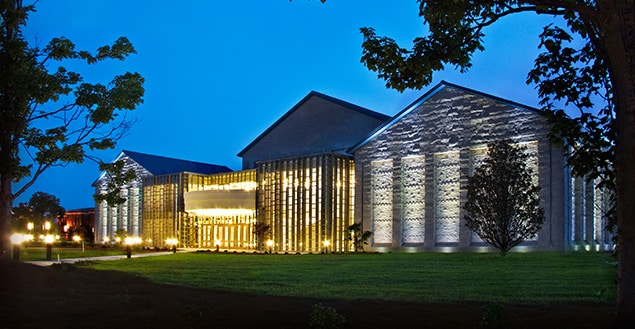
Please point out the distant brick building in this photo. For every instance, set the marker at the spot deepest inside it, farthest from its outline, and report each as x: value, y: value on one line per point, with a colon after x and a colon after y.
x: 78, y: 222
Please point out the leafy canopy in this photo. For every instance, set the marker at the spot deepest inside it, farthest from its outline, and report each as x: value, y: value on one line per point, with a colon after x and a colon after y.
x: 49, y: 115
x: 567, y: 75
x: 41, y: 207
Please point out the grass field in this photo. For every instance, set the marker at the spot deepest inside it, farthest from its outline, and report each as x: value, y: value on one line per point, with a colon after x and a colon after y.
x: 525, y: 278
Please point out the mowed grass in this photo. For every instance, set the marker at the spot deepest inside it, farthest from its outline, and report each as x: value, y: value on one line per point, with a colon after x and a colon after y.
x: 524, y: 278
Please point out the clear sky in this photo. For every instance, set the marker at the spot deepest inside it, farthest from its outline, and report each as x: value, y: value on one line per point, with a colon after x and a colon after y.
x: 218, y: 73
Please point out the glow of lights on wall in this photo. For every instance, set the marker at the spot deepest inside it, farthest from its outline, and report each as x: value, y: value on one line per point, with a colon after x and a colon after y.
x: 223, y: 212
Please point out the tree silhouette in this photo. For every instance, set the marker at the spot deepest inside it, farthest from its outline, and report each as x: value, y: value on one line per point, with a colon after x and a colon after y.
x: 503, y: 202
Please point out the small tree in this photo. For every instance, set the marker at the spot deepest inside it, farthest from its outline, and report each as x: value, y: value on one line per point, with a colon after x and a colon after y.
x: 354, y: 233
x: 503, y: 205
x: 261, y: 232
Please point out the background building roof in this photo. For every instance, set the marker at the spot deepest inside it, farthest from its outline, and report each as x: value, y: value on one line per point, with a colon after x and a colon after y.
x: 159, y: 165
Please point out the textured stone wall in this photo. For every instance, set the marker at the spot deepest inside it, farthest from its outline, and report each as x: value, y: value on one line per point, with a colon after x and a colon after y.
x: 448, y: 133
x: 128, y: 215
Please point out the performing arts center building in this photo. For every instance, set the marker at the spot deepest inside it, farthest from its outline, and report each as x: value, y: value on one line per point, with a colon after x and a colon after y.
x: 327, y: 164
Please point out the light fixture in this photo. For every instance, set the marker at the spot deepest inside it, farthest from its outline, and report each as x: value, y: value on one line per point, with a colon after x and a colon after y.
x: 326, y: 243
x: 16, y: 240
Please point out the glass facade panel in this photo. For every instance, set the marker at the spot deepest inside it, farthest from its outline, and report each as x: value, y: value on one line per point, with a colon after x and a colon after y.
x: 307, y: 201
x: 222, y: 227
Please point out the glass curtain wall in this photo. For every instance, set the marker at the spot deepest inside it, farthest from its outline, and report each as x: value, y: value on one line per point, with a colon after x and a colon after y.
x: 163, y: 211
x: 224, y: 227
x: 307, y: 201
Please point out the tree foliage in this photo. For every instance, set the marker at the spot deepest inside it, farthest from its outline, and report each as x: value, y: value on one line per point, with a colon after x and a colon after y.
x: 359, y: 238
x: 503, y: 202
x: 597, y: 78
x: 262, y: 232
x: 42, y: 207
x: 49, y: 115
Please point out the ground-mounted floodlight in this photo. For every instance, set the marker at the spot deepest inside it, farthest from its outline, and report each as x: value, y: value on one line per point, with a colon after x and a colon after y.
x: 128, y: 241
x: 326, y: 244
x: 172, y: 242
x: 270, y: 245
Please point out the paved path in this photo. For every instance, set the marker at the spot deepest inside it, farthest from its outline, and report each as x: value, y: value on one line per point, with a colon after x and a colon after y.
x: 115, y: 257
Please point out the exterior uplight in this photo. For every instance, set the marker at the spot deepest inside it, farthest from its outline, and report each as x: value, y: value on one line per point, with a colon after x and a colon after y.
x: 16, y: 240
x: 49, y: 239
x: 172, y: 242
x: 77, y: 239
x: 326, y: 243
x: 129, y: 241
x: 270, y: 245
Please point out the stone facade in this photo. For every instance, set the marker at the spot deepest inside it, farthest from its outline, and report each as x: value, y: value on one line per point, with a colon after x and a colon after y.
x: 126, y: 216
x: 412, y: 172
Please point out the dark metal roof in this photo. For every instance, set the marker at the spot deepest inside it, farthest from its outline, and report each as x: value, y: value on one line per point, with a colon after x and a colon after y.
x: 359, y: 109
x: 158, y: 165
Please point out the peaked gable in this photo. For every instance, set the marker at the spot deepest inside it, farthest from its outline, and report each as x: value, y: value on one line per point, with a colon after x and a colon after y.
x: 318, y: 123
x: 453, y: 96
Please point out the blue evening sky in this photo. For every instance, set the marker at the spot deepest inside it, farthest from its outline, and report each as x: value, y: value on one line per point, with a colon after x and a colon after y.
x: 218, y: 73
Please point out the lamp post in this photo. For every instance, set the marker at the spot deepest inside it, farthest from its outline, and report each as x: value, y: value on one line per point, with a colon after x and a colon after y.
x: 270, y: 245
x: 29, y: 227
x: 172, y: 242
x: 128, y: 241
x: 77, y: 239
x: 16, y: 240
x: 48, y: 239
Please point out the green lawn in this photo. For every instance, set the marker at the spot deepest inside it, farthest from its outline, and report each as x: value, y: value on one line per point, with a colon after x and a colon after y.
x: 531, y: 278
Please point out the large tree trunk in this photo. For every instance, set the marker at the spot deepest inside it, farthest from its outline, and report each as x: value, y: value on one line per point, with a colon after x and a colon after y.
x: 6, y: 202
x: 620, y: 45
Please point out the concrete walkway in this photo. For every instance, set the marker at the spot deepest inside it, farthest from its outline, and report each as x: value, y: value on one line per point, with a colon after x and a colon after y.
x: 114, y: 257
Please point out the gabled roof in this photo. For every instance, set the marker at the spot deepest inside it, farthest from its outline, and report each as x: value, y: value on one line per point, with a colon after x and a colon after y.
x: 436, y: 89
x: 359, y: 109
x: 159, y: 165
